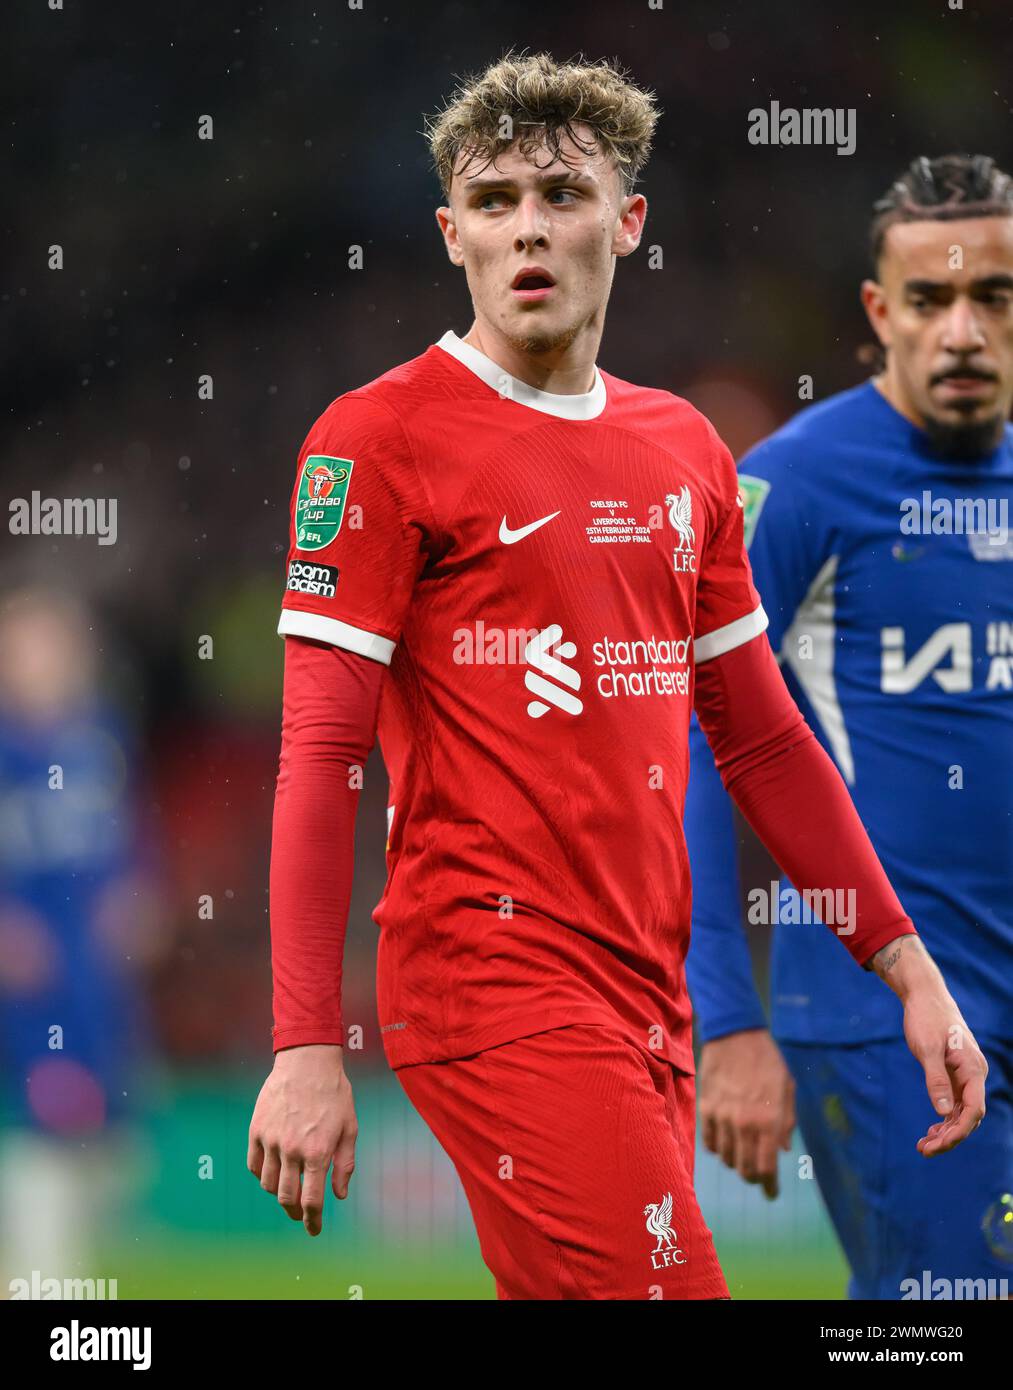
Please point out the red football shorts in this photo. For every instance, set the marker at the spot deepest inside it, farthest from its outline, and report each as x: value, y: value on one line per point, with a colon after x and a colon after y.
x: 575, y: 1149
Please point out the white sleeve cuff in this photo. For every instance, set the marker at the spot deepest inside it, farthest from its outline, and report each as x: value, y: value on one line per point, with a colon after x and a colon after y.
x: 294, y: 622
x: 732, y: 635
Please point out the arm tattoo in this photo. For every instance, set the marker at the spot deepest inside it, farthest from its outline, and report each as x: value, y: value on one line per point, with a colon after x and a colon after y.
x: 890, y: 961
x: 882, y: 964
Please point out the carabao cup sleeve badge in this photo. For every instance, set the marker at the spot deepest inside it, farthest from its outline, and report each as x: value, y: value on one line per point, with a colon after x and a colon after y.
x: 320, y: 505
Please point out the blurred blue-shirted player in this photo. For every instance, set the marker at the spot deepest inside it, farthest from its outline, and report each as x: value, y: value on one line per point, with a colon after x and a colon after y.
x: 880, y: 546
x: 75, y: 923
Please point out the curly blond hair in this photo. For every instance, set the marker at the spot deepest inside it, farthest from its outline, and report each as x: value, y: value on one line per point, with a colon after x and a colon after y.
x: 543, y: 100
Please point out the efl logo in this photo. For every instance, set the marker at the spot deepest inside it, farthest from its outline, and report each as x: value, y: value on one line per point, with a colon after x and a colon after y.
x: 304, y: 578
x: 543, y: 653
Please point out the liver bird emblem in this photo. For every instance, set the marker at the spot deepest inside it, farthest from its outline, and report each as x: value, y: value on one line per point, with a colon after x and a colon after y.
x: 680, y: 514
x: 659, y: 1223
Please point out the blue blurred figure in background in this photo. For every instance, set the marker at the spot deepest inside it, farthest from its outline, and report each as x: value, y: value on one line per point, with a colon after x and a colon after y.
x: 77, y: 921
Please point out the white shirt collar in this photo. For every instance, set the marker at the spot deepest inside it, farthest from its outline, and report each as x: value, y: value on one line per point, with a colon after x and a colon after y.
x: 584, y: 407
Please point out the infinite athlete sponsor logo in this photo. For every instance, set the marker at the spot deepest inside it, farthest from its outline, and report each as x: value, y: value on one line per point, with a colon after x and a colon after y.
x: 952, y: 656
x: 659, y: 1224
x: 304, y: 578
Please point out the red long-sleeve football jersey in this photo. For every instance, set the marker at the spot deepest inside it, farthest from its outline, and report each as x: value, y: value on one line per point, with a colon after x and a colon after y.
x: 541, y: 573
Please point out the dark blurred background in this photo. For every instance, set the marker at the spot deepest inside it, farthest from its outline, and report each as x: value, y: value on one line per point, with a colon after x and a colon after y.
x: 185, y: 258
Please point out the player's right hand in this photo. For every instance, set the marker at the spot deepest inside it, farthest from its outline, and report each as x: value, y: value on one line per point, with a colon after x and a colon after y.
x: 746, y: 1104
x: 303, y: 1122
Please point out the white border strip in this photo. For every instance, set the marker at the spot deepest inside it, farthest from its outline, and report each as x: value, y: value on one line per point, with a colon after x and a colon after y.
x: 732, y: 635
x: 815, y: 617
x: 296, y: 622
x: 583, y: 407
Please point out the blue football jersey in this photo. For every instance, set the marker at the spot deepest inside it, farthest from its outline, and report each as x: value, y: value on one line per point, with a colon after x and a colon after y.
x: 65, y: 841
x: 887, y: 575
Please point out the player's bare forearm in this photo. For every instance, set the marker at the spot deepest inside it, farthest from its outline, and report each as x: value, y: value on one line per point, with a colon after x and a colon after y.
x: 904, y: 963
x: 304, y: 1121
x: 955, y: 1068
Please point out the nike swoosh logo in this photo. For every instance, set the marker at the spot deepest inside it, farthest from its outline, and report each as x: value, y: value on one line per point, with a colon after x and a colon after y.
x: 509, y: 537
x: 901, y: 552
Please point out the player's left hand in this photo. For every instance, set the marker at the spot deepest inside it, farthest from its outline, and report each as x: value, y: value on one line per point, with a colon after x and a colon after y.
x: 955, y: 1070
x: 954, y: 1065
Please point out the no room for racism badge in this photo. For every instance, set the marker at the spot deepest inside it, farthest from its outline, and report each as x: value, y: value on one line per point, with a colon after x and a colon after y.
x: 320, y: 506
